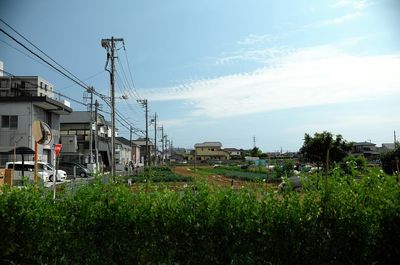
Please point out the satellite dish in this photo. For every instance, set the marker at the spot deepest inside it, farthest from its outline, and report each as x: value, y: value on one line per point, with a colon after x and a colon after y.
x: 41, y: 132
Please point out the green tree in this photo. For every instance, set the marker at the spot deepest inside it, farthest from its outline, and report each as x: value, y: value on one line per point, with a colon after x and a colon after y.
x: 255, y: 151
x: 318, y: 148
x: 390, y: 161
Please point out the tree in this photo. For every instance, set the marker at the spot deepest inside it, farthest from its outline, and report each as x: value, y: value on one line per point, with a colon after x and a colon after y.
x: 255, y: 151
x: 324, y: 147
x: 390, y: 161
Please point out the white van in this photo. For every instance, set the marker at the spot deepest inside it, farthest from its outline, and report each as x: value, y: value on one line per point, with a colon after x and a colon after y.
x: 29, y: 171
x: 44, y: 169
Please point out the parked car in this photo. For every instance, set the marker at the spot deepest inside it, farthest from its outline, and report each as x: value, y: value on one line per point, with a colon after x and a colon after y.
x: 43, y: 167
x: 68, y: 167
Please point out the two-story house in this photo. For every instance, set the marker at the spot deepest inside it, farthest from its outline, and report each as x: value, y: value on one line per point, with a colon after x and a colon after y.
x: 75, y: 137
x: 24, y: 99
x: 366, y: 149
x: 209, y: 151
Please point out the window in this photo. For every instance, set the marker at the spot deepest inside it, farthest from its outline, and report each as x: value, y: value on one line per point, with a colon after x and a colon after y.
x: 10, y: 122
x: 41, y: 84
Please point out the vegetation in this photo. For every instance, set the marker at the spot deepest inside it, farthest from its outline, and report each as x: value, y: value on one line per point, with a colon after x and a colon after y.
x: 347, y: 221
x: 323, y: 148
x: 160, y: 174
x: 390, y: 161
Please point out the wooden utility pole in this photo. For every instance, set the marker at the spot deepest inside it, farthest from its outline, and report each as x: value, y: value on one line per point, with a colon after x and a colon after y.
x: 109, y: 44
x: 155, y: 138
x: 96, y: 142
x: 162, y: 144
x: 144, y: 104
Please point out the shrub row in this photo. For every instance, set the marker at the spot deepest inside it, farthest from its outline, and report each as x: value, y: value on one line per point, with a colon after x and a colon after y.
x: 348, y: 222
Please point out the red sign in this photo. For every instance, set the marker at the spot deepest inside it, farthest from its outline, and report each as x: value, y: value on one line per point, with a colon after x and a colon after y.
x: 57, y: 149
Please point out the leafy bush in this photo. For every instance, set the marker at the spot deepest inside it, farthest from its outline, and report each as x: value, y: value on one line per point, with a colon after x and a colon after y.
x: 349, y: 222
x: 353, y: 165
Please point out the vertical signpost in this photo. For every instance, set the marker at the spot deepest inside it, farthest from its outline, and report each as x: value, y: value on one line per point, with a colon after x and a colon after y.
x: 57, y: 149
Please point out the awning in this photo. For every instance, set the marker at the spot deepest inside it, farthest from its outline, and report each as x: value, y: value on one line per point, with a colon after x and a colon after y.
x: 20, y: 150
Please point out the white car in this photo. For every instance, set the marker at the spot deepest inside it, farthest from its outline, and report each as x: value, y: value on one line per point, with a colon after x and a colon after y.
x: 28, y: 171
x: 42, y: 167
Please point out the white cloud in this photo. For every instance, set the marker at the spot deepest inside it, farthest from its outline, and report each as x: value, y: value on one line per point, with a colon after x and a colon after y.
x: 340, y: 20
x: 306, y: 77
x: 266, y: 55
x: 340, y: 123
x: 253, y: 39
x: 356, y: 4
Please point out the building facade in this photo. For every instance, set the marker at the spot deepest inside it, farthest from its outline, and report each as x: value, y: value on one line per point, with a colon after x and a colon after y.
x: 22, y: 101
x: 75, y: 137
x: 209, y: 151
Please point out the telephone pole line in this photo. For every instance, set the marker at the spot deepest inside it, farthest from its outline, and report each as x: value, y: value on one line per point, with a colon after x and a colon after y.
x: 109, y: 44
x: 155, y: 138
x: 144, y: 104
x: 96, y: 142
x: 162, y: 144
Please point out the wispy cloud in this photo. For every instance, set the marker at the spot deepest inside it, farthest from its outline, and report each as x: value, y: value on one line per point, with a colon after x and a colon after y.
x: 340, y: 20
x: 265, y: 55
x: 253, y: 39
x: 341, y: 123
x: 356, y: 4
x: 306, y: 77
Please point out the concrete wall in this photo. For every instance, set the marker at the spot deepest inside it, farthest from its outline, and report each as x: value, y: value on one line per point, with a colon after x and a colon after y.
x: 27, y: 113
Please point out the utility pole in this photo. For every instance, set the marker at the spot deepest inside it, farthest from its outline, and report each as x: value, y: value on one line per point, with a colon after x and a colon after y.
x: 96, y: 142
x: 91, y: 127
x: 145, y: 106
x: 394, y: 139
x: 155, y: 138
x: 254, y: 141
x: 162, y: 143
x: 90, y: 107
x: 166, y: 142
x: 109, y: 44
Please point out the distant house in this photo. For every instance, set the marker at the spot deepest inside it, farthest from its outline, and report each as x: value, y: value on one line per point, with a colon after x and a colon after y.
x: 209, y: 151
x: 75, y: 137
x: 366, y: 149
x: 123, y: 151
x: 233, y: 151
x: 141, y: 143
x: 387, y: 147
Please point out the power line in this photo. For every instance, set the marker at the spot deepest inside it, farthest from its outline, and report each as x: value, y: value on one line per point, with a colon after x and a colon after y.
x: 27, y: 55
x: 37, y: 86
x: 39, y: 50
x: 130, y: 72
x: 74, y: 79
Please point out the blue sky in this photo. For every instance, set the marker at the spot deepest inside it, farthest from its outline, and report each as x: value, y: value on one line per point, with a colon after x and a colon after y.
x: 228, y: 70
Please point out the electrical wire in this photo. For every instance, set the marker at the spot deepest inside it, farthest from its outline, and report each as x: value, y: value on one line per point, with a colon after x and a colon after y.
x: 74, y: 79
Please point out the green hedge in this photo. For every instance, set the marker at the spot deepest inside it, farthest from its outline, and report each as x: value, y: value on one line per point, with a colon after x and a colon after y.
x: 350, y: 222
